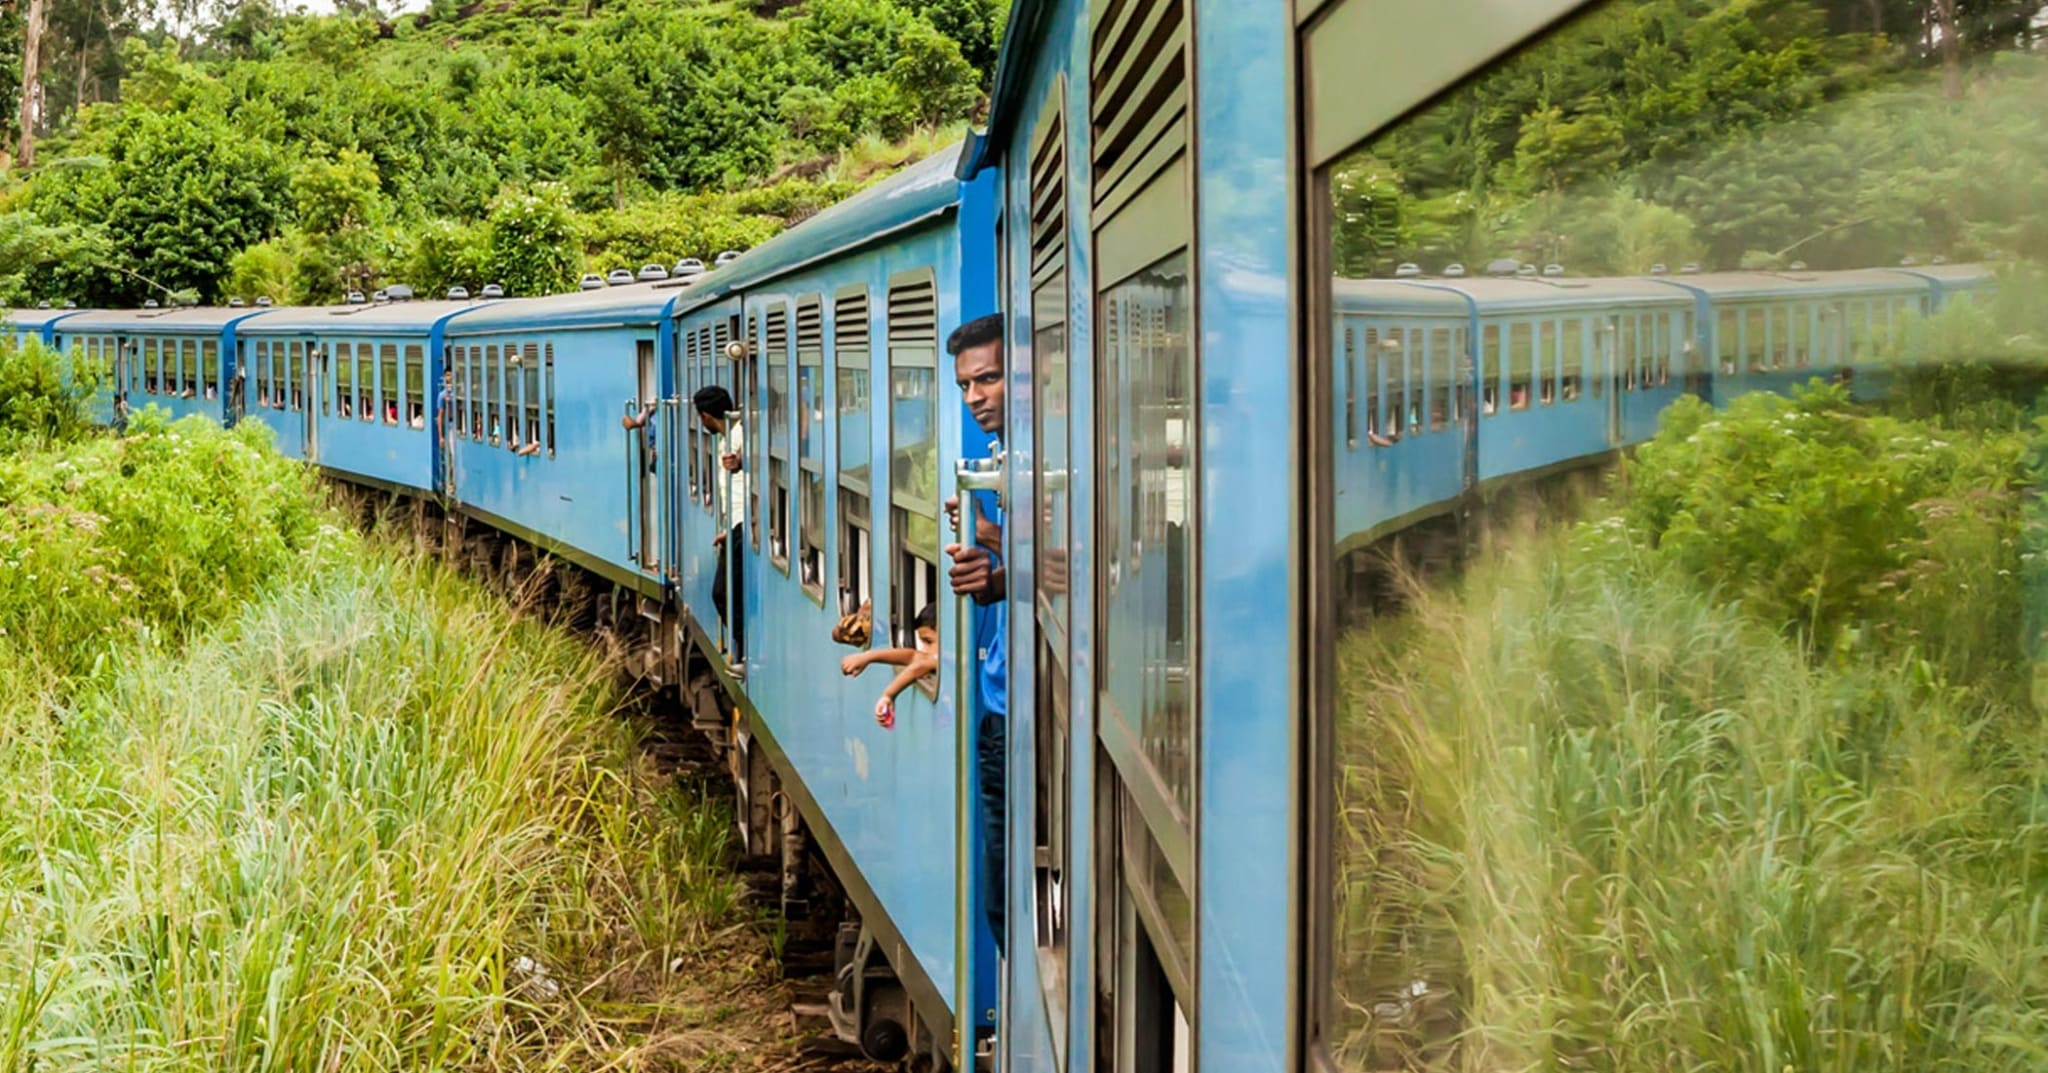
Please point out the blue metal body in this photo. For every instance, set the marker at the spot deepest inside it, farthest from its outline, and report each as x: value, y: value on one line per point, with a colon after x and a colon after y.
x: 179, y: 360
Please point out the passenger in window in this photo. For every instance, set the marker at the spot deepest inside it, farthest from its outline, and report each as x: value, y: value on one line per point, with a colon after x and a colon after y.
x: 977, y: 572
x: 644, y: 421
x: 916, y: 663
x: 120, y: 412
x: 728, y: 594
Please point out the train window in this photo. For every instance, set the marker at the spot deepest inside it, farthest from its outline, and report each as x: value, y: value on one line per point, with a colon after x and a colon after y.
x: 1573, y: 340
x: 685, y: 342
x: 414, y: 385
x: 494, y: 396
x: 775, y: 355
x: 188, y: 367
x: 1521, y: 363
x: 1052, y: 831
x: 261, y: 368
x: 209, y: 368
x: 748, y: 392
x: 532, y: 356
x: 344, y: 380
x: 913, y: 452
x: 547, y: 357
x: 295, y: 372
x: 851, y: 356
x: 515, y: 391
x: 1496, y: 883
x: 389, y: 387
x: 477, y: 394
x: 152, y: 366
x: 366, y: 382
x: 810, y: 445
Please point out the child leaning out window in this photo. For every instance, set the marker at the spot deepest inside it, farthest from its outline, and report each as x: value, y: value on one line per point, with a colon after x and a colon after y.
x: 916, y: 663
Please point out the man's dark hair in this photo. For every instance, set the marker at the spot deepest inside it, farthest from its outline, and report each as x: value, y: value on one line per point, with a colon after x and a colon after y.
x: 712, y: 401
x: 927, y: 619
x: 981, y: 331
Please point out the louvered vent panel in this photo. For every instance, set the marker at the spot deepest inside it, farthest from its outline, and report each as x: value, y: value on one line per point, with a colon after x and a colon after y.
x: 1138, y: 76
x: 810, y: 331
x: 850, y: 326
x: 778, y: 334
x: 1049, y: 199
x: 913, y: 315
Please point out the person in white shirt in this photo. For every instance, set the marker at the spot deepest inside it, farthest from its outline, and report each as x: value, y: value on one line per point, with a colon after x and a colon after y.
x: 714, y: 408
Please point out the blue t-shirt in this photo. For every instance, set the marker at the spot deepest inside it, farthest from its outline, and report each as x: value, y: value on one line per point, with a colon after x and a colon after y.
x: 992, y: 629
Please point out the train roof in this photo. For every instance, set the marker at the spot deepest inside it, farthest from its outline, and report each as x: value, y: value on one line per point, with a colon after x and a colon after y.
x: 361, y: 318
x: 920, y: 192
x: 179, y: 320
x: 1506, y: 293
x: 1952, y: 274
x: 630, y: 304
x: 1782, y: 284
x: 32, y: 319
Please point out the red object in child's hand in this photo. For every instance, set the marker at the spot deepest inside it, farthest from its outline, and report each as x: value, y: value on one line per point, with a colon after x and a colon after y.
x: 885, y: 713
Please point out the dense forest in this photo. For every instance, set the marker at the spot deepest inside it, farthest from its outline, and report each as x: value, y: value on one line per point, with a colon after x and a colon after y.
x: 1755, y: 133
x: 237, y: 150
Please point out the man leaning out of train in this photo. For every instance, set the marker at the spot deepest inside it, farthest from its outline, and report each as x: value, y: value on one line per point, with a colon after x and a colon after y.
x: 977, y: 572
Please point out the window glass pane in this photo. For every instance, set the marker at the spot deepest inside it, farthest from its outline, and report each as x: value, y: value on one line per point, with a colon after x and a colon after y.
x: 388, y: 386
x: 531, y: 356
x: 297, y: 372
x: 914, y: 457
x: 1666, y: 772
x: 415, y: 386
x: 494, y: 394
x: 344, y: 379
x: 1051, y: 413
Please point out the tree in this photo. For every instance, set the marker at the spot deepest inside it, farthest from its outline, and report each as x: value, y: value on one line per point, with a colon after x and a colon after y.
x: 531, y: 244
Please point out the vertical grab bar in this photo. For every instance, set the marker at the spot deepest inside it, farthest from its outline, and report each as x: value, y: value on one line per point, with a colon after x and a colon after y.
x: 971, y: 475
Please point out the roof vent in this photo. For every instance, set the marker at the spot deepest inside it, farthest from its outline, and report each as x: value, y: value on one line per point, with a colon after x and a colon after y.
x: 380, y: 296
x: 687, y: 268
x: 493, y: 290
x: 398, y: 292
x: 149, y: 303
x: 618, y: 277
x: 1691, y: 268
x: 69, y: 304
x: 591, y: 281
x: 1553, y: 270
x: 1797, y: 266
x: 44, y: 304
x: 458, y: 293
x: 1407, y: 271
x: 1454, y: 271
x: 1502, y: 266
x: 264, y: 301
x: 1908, y: 261
x: 236, y: 302
x: 354, y: 298
x: 727, y: 258
x: 1660, y: 269
x: 649, y: 273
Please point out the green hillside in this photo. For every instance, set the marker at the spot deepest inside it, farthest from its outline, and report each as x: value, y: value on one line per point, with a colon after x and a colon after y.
x: 521, y: 143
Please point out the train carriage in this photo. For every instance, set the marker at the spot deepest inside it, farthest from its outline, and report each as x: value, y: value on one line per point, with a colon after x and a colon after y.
x: 535, y: 445
x: 349, y: 386
x: 179, y: 359
x: 830, y: 341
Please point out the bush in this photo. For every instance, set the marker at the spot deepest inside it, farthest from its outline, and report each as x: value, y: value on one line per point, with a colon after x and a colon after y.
x: 42, y: 399
x: 158, y: 532
x: 1847, y: 528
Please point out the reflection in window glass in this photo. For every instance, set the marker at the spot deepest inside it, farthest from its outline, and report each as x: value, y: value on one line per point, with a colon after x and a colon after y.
x: 1718, y: 768
x: 914, y: 458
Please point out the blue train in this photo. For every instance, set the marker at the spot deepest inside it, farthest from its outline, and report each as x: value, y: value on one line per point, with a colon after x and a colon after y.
x: 1203, y: 416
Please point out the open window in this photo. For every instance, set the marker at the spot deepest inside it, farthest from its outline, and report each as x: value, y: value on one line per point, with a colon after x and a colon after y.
x: 415, y: 389
x: 209, y: 368
x: 366, y: 381
x: 388, y: 384
x: 775, y: 355
x: 530, y: 362
x: 494, y: 396
x: 852, y: 354
x: 913, y: 452
x: 810, y: 445
x: 296, y: 372
x: 344, y: 380
x: 547, y: 358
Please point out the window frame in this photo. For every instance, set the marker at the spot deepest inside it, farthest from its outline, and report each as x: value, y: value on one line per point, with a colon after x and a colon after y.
x: 811, y: 472
x: 913, y: 576
x: 855, y: 563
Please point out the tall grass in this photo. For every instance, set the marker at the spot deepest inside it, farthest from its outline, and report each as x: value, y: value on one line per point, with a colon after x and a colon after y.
x: 275, y: 798
x: 1740, y: 773
x: 325, y: 836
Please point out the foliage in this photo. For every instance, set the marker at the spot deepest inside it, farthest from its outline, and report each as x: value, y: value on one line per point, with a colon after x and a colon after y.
x: 42, y: 399
x: 375, y: 153
x: 530, y: 243
x: 1854, y: 529
x: 158, y: 532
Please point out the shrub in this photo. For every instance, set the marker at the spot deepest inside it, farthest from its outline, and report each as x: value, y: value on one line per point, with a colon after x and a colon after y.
x: 41, y: 397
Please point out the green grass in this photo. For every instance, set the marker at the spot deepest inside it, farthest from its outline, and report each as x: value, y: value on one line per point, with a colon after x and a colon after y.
x: 295, y: 800
x: 1605, y: 803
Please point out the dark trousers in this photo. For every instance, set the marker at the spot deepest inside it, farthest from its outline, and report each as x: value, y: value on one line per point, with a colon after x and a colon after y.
x: 732, y: 608
x: 991, y: 768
